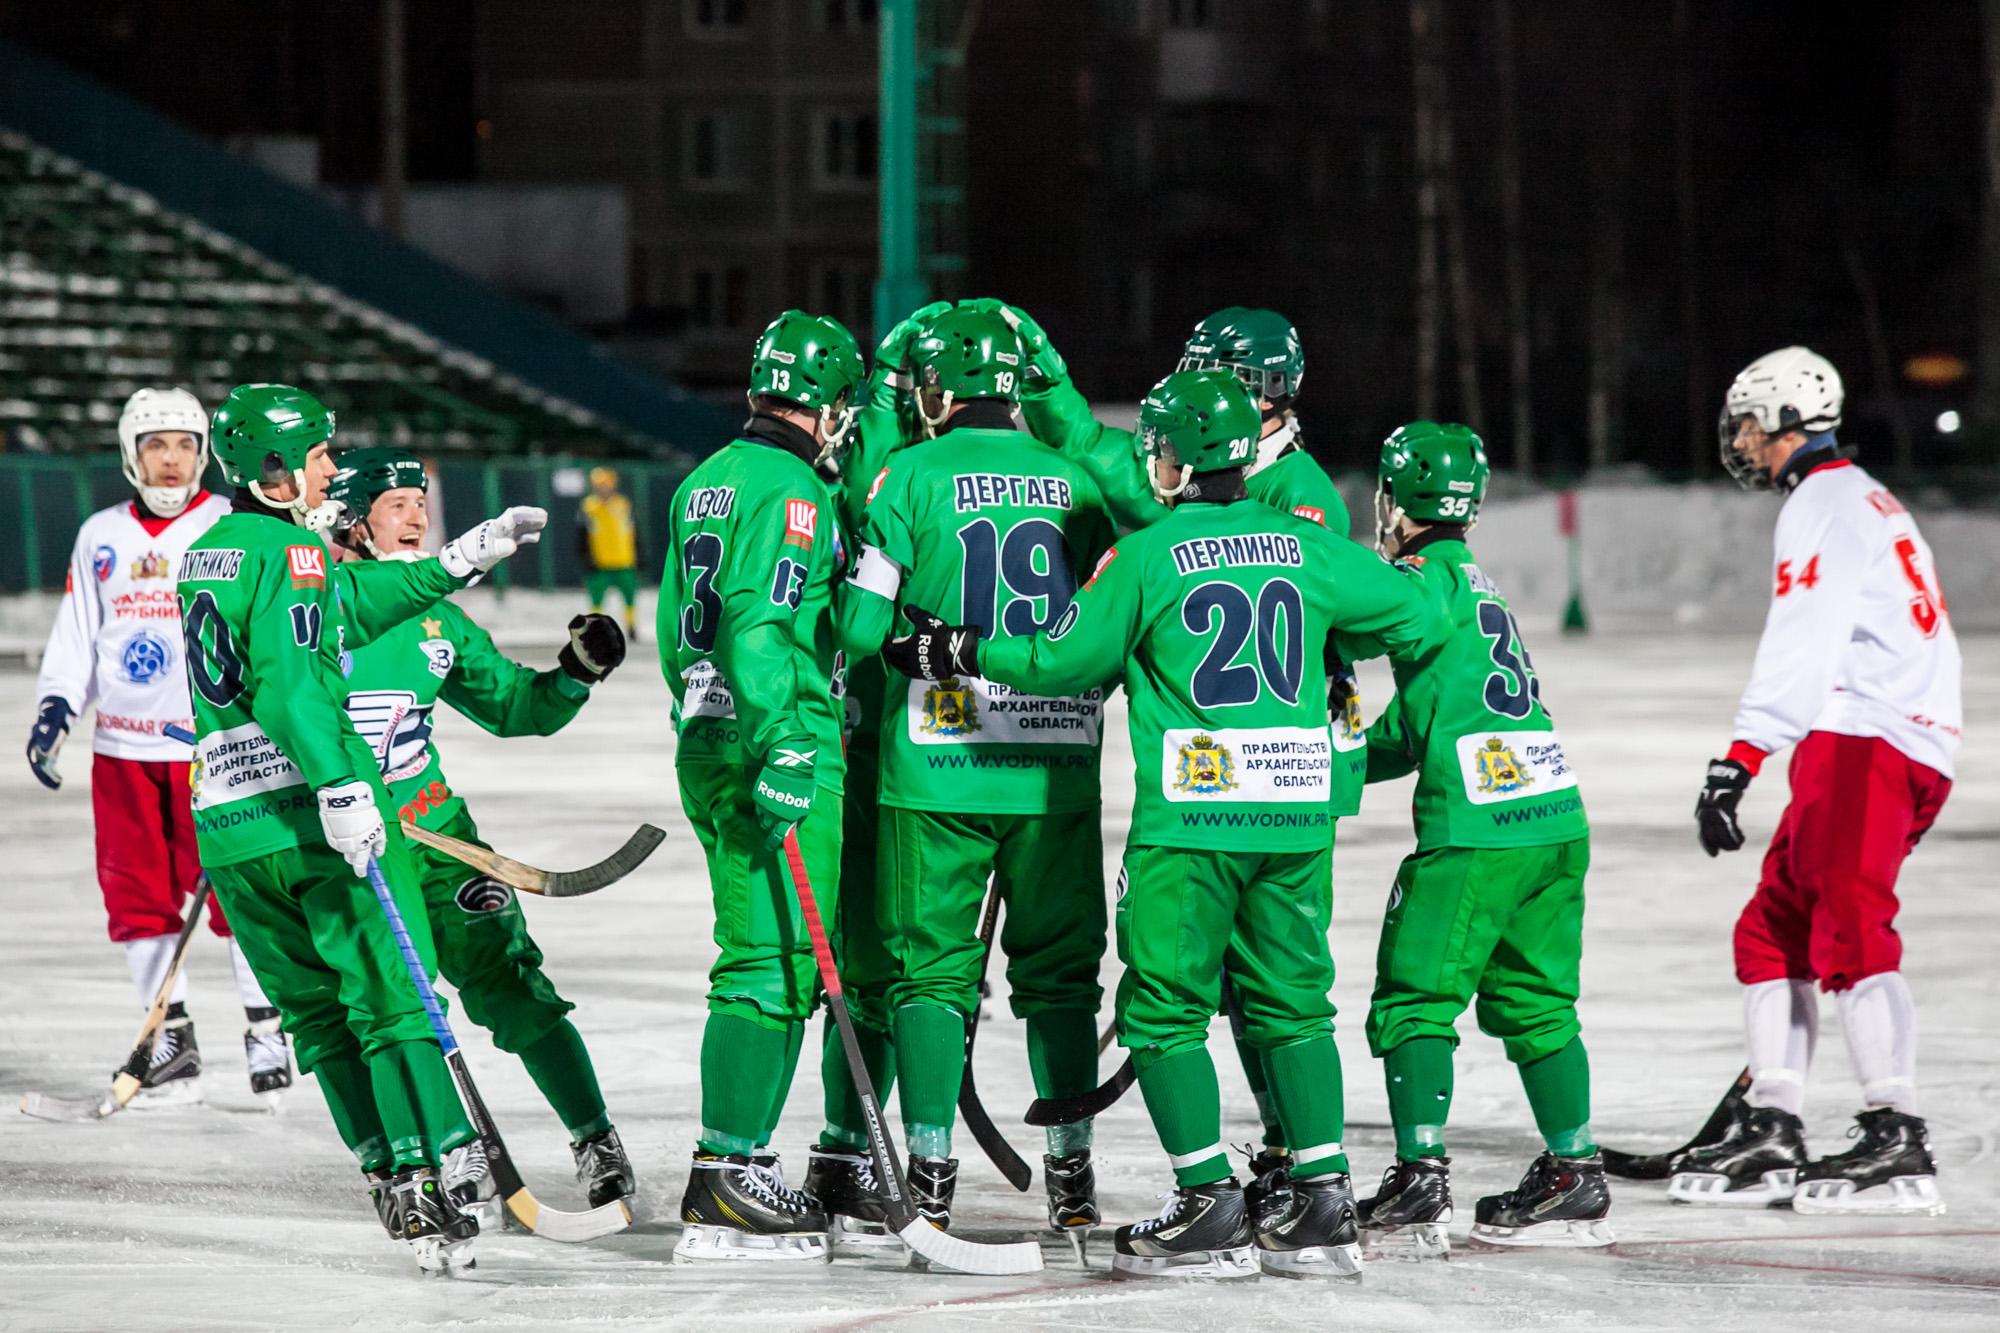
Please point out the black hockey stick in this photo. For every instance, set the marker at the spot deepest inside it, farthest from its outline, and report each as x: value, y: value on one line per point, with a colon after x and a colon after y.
x: 125, y: 1084
x: 548, y: 883
x: 1658, y: 1166
x: 527, y: 1210
x: 941, y: 1248
x: 1046, y: 1111
x: 998, y: 1151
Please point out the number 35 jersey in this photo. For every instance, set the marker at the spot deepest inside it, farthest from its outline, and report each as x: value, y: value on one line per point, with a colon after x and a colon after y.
x: 983, y: 527
x: 1491, y: 770
x: 395, y: 683
x: 1218, y: 618
x: 1858, y: 640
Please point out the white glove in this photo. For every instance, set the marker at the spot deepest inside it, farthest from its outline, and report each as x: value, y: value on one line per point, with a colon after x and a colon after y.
x: 493, y: 541
x: 352, y: 824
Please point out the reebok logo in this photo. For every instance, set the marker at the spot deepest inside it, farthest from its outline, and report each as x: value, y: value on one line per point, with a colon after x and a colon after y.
x: 770, y: 793
x: 793, y: 758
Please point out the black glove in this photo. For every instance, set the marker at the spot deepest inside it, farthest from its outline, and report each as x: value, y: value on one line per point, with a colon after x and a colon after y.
x: 45, y: 738
x: 1715, y: 812
x: 596, y: 646
x: 933, y: 650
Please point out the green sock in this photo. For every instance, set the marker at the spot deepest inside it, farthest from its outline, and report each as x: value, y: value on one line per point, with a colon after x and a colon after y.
x: 1306, y: 1084
x: 1419, y: 1076
x: 418, y: 1103
x: 795, y: 1037
x: 1185, y: 1101
x: 742, y: 1068
x: 930, y: 1051
x: 1259, y: 1079
x: 1558, y: 1088
x: 1062, y: 1055
x: 350, y: 1096
x: 846, y: 1121
x: 561, y: 1068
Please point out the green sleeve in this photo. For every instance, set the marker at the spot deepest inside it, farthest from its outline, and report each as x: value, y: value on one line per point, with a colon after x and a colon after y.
x: 1058, y: 416
x: 299, y: 694
x: 500, y: 694
x: 1380, y: 608
x: 667, y: 617
x: 378, y: 595
x: 758, y: 643
x: 1089, y: 646
x: 864, y: 610
x: 878, y: 430
x: 1390, y: 754
x: 1320, y: 492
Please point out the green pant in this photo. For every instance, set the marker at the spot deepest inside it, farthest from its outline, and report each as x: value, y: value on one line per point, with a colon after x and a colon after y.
x: 324, y: 952
x: 1502, y: 924
x: 485, y: 952
x: 865, y: 967
x: 1049, y: 870
x: 764, y: 970
x: 598, y: 582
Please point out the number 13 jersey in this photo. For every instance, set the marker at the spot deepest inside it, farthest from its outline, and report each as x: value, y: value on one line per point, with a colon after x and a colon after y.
x: 1858, y: 640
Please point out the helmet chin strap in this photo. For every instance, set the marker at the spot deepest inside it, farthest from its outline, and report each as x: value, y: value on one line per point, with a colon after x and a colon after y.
x: 1153, y: 480
x: 834, y: 425
x: 931, y: 423
x: 313, y: 518
x: 1274, y: 444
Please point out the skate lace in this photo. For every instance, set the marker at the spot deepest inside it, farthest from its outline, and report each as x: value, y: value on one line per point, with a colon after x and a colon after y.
x: 765, y: 1187
x: 165, y: 1047
x: 264, y: 1051
x: 599, y: 1158
x: 464, y: 1165
x: 772, y: 1174
x: 1168, y: 1215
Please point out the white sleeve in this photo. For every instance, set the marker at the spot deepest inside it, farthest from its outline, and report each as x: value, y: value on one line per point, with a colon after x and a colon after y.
x: 69, y: 662
x: 1817, y: 567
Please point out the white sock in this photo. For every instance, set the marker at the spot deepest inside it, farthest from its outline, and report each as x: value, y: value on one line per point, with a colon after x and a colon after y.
x: 247, y: 988
x: 1879, y: 1016
x: 148, y: 960
x: 1780, y: 1027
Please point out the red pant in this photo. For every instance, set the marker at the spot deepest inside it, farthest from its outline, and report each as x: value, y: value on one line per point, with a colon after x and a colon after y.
x: 146, y: 858
x: 1826, y: 905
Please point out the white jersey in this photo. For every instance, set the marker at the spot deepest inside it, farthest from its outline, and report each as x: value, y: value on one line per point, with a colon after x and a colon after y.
x: 1858, y: 640
x: 117, y: 636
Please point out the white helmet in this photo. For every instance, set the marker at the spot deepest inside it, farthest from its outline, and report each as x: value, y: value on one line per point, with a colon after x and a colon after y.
x: 1793, y: 388
x: 151, y: 410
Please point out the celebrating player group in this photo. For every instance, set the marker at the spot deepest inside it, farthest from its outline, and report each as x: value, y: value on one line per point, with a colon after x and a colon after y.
x: 890, y: 615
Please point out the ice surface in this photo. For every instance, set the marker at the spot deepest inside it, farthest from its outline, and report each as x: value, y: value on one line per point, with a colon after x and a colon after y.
x: 224, y: 1218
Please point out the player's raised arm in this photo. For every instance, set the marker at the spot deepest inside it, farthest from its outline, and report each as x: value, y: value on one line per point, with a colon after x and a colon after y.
x: 865, y: 604
x: 508, y: 699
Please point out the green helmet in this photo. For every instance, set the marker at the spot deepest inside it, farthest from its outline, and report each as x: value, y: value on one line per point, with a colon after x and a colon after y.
x: 367, y: 474
x: 1200, y: 421
x: 811, y: 360
x: 1434, y: 472
x: 966, y: 353
x: 258, y: 423
x: 1261, y: 346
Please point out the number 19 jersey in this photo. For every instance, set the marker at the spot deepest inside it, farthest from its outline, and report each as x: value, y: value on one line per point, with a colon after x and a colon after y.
x: 988, y: 528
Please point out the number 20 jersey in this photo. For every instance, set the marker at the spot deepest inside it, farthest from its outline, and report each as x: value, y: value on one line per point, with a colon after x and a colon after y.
x: 1858, y: 640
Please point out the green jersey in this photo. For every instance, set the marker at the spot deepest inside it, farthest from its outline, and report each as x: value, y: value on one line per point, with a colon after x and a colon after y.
x: 1468, y: 718
x: 878, y: 432
x: 1219, y: 619
x: 986, y: 527
x: 746, y: 609
x: 267, y: 641
x: 396, y: 681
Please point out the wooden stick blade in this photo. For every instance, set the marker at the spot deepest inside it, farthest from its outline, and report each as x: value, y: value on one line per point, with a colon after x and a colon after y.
x: 568, y: 1228
x: 545, y: 883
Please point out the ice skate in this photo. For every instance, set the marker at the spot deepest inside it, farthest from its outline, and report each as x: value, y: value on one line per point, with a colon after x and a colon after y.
x: 267, y: 1053
x: 383, y: 1202
x: 1204, y: 1232
x: 439, y: 1235
x: 1890, y: 1171
x: 173, y: 1070
x: 845, y: 1184
x: 1752, y: 1165
x: 1269, y: 1190
x: 1071, y: 1181
x: 1316, y: 1235
x: 468, y: 1179
x: 933, y: 1182
x: 734, y: 1210
x: 1408, y: 1218
x: 603, y: 1169
x: 1562, y: 1202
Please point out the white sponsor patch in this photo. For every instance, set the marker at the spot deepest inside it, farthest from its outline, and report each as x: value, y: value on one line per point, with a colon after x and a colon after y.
x: 707, y: 693
x: 1247, y: 764
x: 1508, y: 765
x: 969, y: 710
x: 397, y: 728
x: 239, y: 762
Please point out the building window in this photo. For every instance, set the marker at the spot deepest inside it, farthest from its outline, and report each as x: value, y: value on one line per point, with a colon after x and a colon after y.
x: 712, y: 150
x: 718, y: 297
x: 716, y: 18
x: 845, y: 290
x: 846, y: 15
x: 1188, y: 13
x: 844, y: 144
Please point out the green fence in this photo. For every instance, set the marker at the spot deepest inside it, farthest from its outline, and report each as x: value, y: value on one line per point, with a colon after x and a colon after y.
x: 44, y: 499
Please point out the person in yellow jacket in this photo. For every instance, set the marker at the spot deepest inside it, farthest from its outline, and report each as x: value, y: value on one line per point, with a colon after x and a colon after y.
x: 608, y: 543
